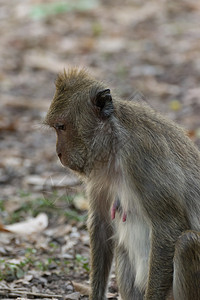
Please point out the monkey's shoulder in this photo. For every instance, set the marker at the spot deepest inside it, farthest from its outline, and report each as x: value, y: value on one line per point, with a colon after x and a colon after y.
x: 152, y: 131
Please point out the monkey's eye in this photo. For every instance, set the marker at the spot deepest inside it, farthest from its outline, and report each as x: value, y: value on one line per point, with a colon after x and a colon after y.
x: 60, y: 127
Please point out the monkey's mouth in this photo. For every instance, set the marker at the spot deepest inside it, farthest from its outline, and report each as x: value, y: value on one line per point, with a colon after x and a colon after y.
x: 73, y: 167
x: 76, y: 169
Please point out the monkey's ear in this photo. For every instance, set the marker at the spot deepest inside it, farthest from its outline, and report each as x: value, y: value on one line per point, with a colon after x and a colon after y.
x: 103, y: 103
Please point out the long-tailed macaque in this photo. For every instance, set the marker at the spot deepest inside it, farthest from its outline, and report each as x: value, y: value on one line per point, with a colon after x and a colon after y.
x: 143, y: 182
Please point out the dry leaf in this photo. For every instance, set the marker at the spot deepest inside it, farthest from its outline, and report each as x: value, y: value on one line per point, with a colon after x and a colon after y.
x: 81, y: 288
x: 80, y: 202
x: 73, y: 296
x: 31, y: 225
x: 3, y: 229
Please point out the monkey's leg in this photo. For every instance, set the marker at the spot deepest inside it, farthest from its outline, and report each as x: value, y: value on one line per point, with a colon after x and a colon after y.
x: 125, y: 276
x: 101, y: 244
x: 160, y: 275
x: 186, y: 281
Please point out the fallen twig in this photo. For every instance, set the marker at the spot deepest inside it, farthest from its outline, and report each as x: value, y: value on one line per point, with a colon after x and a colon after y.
x: 17, y: 293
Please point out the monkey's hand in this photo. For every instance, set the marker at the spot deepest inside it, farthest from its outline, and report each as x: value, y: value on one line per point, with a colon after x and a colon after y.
x: 116, y: 206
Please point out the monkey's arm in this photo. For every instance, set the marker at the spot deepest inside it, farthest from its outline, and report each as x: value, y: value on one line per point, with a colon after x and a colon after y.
x: 101, y: 243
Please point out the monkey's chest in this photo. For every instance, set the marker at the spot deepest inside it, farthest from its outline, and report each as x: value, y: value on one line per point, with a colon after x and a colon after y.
x: 134, y: 236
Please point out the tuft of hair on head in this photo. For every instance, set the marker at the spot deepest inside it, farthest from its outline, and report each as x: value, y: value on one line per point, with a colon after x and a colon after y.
x: 72, y: 77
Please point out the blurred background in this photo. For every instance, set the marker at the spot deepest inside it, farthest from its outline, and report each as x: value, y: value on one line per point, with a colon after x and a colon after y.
x: 152, y: 47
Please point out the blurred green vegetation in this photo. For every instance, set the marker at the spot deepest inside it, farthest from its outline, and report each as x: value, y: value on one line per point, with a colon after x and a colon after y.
x: 47, y: 9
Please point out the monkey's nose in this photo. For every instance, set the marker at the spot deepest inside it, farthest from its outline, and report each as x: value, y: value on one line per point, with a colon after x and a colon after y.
x: 59, y: 155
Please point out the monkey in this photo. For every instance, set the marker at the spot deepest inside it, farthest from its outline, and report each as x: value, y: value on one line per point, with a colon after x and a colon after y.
x: 142, y: 175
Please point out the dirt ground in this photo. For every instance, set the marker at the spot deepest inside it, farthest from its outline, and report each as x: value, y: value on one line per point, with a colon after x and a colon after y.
x: 149, y: 47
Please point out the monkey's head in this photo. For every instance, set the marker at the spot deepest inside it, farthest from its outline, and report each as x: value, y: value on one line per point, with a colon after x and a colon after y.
x: 81, y: 113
